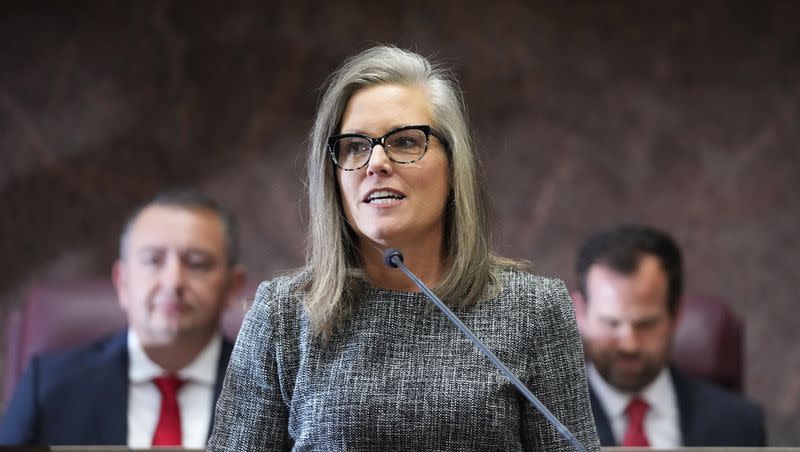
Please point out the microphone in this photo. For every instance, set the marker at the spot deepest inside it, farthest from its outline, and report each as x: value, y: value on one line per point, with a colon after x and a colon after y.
x: 392, y: 254
x: 392, y: 257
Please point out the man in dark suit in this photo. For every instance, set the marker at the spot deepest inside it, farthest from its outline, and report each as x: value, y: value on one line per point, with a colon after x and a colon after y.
x: 630, y: 280
x: 155, y: 383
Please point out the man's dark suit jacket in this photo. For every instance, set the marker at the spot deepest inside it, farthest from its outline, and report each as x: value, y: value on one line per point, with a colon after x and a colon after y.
x: 709, y: 416
x: 79, y: 396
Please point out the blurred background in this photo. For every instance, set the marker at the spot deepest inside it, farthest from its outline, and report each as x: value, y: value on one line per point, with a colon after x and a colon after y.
x: 681, y: 115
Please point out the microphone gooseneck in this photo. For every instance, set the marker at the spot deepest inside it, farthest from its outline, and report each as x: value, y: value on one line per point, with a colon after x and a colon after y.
x: 392, y: 257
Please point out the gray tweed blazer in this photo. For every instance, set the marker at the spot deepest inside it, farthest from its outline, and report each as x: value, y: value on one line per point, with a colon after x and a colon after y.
x: 397, y: 375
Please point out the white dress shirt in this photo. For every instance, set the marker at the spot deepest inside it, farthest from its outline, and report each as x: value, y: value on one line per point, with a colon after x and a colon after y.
x: 662, y: 421
x: 195, y: 397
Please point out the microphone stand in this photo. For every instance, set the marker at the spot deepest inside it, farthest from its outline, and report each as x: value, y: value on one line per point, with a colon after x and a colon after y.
x: 394, y: 258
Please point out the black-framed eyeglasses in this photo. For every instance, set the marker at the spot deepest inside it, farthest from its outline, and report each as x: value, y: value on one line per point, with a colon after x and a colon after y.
x: 352, y: 151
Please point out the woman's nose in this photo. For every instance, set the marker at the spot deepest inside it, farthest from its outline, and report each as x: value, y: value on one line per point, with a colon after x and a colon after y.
x: 379, y: 162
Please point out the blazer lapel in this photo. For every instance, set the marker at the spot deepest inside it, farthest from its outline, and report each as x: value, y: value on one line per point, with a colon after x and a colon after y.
x: 224, y: 357
x: 687, y: 409
x: 601, y: 420
x: 110, y: 386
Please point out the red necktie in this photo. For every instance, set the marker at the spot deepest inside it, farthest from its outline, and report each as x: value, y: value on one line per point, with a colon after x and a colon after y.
x: 168, y: 429
x: 635, y: 436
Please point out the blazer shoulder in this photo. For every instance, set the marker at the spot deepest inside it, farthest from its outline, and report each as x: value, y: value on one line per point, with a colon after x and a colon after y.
x: 54, y: 400
x: 520, y: 284
x: 724, y: 415
x: 82, y: 358
x: 277, y: 306
x: 283, y: 292
x: 717, y: 397
x: 543, y: 304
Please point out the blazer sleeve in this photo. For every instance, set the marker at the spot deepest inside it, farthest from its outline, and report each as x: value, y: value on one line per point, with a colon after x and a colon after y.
x: 559, y: 379
x: 19, y: 424
x: 251, y: 413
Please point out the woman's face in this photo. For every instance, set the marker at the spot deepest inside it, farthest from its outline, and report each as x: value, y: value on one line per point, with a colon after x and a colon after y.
x: 390, y: 203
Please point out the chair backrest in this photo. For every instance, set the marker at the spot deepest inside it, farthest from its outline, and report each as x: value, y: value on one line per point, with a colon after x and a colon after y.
x: 708, y: 341
x: 55, y: 316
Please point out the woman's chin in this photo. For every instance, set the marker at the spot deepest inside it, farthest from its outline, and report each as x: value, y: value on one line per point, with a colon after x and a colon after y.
x: 383, y: 237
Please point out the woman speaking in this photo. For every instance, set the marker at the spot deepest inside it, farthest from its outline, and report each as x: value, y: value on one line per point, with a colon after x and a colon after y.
x: 347, y: 354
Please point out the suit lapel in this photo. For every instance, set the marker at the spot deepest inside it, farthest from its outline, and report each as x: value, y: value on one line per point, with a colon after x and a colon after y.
x: 110, y: 386
x: 224, y: 357
x: 601, y: 420
x: 687, y: 409
x: 691, y: 432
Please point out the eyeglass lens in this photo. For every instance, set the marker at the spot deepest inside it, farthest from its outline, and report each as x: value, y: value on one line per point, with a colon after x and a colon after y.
x: 401, y: 146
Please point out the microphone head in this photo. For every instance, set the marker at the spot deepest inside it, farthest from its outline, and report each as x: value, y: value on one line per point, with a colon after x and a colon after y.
x: 389, y: 256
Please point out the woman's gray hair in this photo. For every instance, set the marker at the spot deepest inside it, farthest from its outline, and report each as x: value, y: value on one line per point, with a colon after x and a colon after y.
x: 332, y: 255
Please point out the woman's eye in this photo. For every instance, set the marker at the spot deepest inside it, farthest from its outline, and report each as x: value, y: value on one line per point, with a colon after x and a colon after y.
x: 355, y: 148
x: 406, y: 140
x: 405, y: 143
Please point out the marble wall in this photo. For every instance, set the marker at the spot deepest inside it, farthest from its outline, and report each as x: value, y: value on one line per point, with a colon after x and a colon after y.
x: 684, y: 115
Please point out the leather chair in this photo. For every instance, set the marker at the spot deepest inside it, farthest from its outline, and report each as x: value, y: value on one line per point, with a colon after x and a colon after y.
x: 61, y: 315
x: 708, y: 341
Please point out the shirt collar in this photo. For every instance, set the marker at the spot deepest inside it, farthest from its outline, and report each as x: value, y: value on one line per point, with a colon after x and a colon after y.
x: 659, y: 394
x: 203, y: 369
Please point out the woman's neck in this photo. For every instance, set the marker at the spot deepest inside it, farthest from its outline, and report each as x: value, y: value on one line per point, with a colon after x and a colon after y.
x: 426, y: 260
